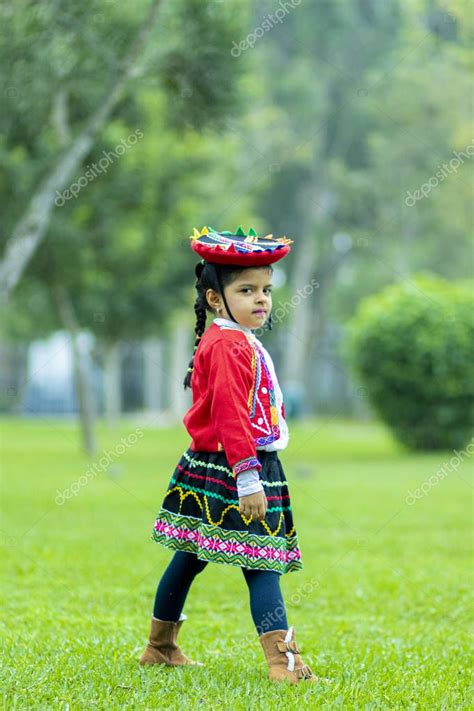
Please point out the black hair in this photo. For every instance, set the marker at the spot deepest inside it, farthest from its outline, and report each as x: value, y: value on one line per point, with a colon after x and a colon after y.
x: 213, y: 276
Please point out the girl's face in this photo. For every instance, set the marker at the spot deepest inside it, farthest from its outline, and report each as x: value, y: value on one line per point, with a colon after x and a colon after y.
x: 249, y: 298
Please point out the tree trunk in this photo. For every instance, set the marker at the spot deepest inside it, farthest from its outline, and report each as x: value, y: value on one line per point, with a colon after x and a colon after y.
x: 83, y: 389
x: 112, y: 383
x: 181, y: 352
x: 304, y: 292
x: 32, y: 226
x: 152, y: 374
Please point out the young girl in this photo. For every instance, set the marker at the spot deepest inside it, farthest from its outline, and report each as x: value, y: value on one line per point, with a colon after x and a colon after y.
x: 228, y: 500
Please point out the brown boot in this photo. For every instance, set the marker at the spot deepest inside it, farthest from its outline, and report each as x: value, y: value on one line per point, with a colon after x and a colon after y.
x: 283, y: 657
x: 162, y: 647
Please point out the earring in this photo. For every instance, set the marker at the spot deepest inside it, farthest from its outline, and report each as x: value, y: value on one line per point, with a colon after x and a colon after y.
x: 268, y: 324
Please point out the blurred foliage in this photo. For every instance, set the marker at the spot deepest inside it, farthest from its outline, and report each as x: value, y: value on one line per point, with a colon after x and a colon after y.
x: 411, y: 347
x: 198, y: 71
x: 364, y: 101
x: 319, y: 130
x: 120, y: 245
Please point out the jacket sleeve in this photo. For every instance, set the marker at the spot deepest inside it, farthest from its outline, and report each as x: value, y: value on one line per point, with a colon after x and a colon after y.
x: 230, y: 382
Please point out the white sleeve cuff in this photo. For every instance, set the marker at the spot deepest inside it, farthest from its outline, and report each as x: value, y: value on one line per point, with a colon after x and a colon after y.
x: 248, y: 482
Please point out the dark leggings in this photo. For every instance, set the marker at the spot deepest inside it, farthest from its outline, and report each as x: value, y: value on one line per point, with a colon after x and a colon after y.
x: 266, y: 601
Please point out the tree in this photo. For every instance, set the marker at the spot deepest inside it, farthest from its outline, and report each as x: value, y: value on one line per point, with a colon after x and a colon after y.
x: 111, y: 247
x: 33, y: 223
x: 347, y: 116
x: 315, y: 66
x: 78, y: 115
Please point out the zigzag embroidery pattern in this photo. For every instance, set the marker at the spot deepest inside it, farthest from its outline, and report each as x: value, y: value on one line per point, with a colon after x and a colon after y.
x: 208, y: 542
x: 183, y: 496
x: 214, y: 495
x: 227, y: 486
x: 197, y: 462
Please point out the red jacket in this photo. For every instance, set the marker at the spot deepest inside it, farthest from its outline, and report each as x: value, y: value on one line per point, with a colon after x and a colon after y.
x: 233, y: 398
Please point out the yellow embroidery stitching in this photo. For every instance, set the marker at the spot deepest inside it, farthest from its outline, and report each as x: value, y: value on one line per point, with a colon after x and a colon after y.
x: 265, y: 525
x: 182, y: 496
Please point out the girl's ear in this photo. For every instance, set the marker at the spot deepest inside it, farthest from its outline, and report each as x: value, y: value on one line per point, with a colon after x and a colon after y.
x: 212, y: 298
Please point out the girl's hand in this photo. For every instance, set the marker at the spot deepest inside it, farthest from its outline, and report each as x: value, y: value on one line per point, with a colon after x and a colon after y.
x: 254, y: 506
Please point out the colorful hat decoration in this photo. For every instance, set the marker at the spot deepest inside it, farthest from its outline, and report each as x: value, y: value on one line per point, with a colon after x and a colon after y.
x: 240, y: 248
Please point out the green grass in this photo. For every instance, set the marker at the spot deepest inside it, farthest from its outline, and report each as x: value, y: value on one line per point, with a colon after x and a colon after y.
x: 381, y: 608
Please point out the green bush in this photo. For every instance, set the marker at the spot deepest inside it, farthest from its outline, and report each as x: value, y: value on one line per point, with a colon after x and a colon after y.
x: 411, y: 346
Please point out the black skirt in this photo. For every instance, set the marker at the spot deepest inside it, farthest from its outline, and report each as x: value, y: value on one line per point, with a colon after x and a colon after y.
x: 200, y: 514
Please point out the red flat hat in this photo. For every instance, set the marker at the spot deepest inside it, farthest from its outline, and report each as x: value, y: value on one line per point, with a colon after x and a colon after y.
x: 248, y: 250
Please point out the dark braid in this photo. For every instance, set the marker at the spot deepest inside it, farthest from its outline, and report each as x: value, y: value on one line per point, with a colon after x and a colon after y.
x: 208, y: 278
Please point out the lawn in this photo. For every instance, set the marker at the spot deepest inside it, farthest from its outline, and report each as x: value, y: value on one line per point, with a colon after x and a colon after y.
x: 382, y: 607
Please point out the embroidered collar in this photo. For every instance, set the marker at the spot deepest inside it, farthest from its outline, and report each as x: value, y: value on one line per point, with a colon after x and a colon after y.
x: 232, y: 324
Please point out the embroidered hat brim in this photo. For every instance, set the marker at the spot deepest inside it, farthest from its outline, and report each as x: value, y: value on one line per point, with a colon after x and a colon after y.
x: 239, y: 248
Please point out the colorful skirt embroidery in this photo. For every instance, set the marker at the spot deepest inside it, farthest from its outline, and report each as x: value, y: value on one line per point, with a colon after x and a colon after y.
x: 200, y: 514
